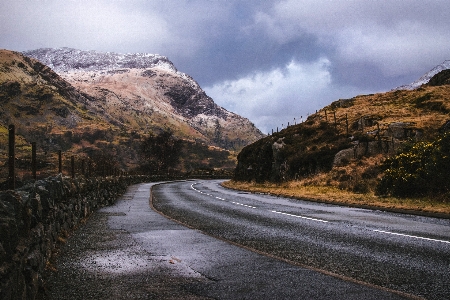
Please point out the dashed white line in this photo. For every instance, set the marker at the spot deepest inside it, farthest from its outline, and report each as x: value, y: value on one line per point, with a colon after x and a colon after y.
x: 325, y: 221
x: 237, y: 203
x: 297, y: 216
x: 411, y: 236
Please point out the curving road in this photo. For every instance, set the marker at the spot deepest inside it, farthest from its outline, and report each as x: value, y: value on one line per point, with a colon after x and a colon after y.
x: 399, y: 252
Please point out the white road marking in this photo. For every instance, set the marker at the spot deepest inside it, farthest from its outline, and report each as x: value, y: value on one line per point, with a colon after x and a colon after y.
x: 325, y: 221
x: 237, y: 203
x: 297, y: 216
x: 192, y: 186
x: 412, y: 236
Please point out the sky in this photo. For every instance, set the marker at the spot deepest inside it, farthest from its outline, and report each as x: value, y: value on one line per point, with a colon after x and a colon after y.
x: 271, y: 61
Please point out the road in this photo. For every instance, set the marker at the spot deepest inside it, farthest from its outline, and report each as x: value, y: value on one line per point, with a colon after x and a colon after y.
x: 399, y: 252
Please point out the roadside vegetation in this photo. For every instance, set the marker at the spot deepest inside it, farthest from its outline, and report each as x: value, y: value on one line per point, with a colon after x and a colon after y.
x: 315, y: 189
x: 389, y: 150
x: 416, y: 179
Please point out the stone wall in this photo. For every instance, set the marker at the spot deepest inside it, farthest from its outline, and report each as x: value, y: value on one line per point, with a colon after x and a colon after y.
x: 34, y: 217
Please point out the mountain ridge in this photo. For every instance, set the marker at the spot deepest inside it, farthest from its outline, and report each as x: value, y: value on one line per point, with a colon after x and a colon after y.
x: 106, y: 114
x: 143, y: 83
x: 424, y: 79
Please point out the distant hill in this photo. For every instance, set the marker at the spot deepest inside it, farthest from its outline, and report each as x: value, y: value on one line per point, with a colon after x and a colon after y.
x: 344, y: 143
x: 103, y: 105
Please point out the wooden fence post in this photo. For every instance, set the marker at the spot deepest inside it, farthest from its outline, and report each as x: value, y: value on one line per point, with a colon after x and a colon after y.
x: 82, y: 168
x: 335, y: 124
x: 88, y: 167
x: 346, y: 122
x: 380, y: 146
x: 59, y: 162
x: 33, y: 159
x: 11, y: 157
x: 72, y: 166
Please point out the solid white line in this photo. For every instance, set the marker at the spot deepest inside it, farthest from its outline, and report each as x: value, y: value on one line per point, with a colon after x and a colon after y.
x: 412, y: 236
x: 297, y: 216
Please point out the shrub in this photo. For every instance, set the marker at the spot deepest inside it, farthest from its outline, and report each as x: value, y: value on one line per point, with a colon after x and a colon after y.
x: 421, y: 168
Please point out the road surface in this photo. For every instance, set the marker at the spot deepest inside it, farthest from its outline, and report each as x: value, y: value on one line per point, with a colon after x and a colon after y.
x: 400, y: 252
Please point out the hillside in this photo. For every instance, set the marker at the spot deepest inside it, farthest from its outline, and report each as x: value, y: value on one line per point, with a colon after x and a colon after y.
x: 344, y: 143
x: 108, y: 122
x: 145, y: 92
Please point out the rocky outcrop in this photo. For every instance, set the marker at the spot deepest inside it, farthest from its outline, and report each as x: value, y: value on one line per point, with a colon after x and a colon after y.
x: 384, y: 142
x: 441, y: 78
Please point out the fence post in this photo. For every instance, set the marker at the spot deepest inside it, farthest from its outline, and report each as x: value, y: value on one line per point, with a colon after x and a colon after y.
x: 380, y: 146
x: 82, y: 168
x: 72, y: 166
x: 335, y: 124
x: 59, y: 162
x: 11, y: 157
x: 346, y: 122
x: 33, y: 159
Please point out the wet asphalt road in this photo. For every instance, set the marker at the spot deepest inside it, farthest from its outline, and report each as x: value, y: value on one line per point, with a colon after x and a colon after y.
x: 399, y: 252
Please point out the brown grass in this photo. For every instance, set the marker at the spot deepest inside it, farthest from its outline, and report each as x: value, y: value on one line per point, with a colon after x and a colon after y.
x: 427, y: 108
x: 314, y: 190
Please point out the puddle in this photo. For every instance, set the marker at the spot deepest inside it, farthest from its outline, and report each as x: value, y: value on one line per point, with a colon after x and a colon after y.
x: 121, y: 262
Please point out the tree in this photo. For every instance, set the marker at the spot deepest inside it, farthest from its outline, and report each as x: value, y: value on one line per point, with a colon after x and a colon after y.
x: 161, y: 151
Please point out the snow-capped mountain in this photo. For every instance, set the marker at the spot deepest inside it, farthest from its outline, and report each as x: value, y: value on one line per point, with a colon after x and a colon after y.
x: 146, y: 92
x: 68, y: 59
x: 426, y: 77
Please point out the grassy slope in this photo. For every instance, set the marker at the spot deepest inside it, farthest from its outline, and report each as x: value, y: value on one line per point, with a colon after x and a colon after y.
x: 426, y: 109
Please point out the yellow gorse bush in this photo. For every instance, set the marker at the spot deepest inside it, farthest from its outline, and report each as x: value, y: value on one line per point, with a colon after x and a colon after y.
x: 422, y: 168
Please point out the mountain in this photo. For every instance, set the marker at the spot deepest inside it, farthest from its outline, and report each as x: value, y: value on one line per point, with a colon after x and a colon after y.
x: 102, y: 106
x: 426, y: 77
x: 146, y: 92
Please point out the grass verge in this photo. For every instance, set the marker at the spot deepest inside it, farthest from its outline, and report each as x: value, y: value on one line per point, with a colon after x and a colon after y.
x: 334, y: 195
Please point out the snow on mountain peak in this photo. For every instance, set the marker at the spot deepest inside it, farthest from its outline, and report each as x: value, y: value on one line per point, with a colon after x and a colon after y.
x: 65, y: 60
x: 68, y: 59
x: 426, y: 77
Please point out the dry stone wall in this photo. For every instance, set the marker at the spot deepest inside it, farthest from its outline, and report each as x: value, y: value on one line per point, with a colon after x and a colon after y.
x: 34, y: 217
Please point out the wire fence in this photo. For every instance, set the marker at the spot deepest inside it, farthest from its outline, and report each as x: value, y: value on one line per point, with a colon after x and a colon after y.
x: 27, y: 162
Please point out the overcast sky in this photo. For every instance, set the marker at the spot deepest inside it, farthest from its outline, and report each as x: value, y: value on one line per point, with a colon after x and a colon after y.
x: 270, y: 61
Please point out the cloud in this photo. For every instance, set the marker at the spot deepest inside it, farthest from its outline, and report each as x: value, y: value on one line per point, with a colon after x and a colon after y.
x: 273, y: 98
x: 398, y: 37
x: 272, y: 53
x: 100, y: 25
